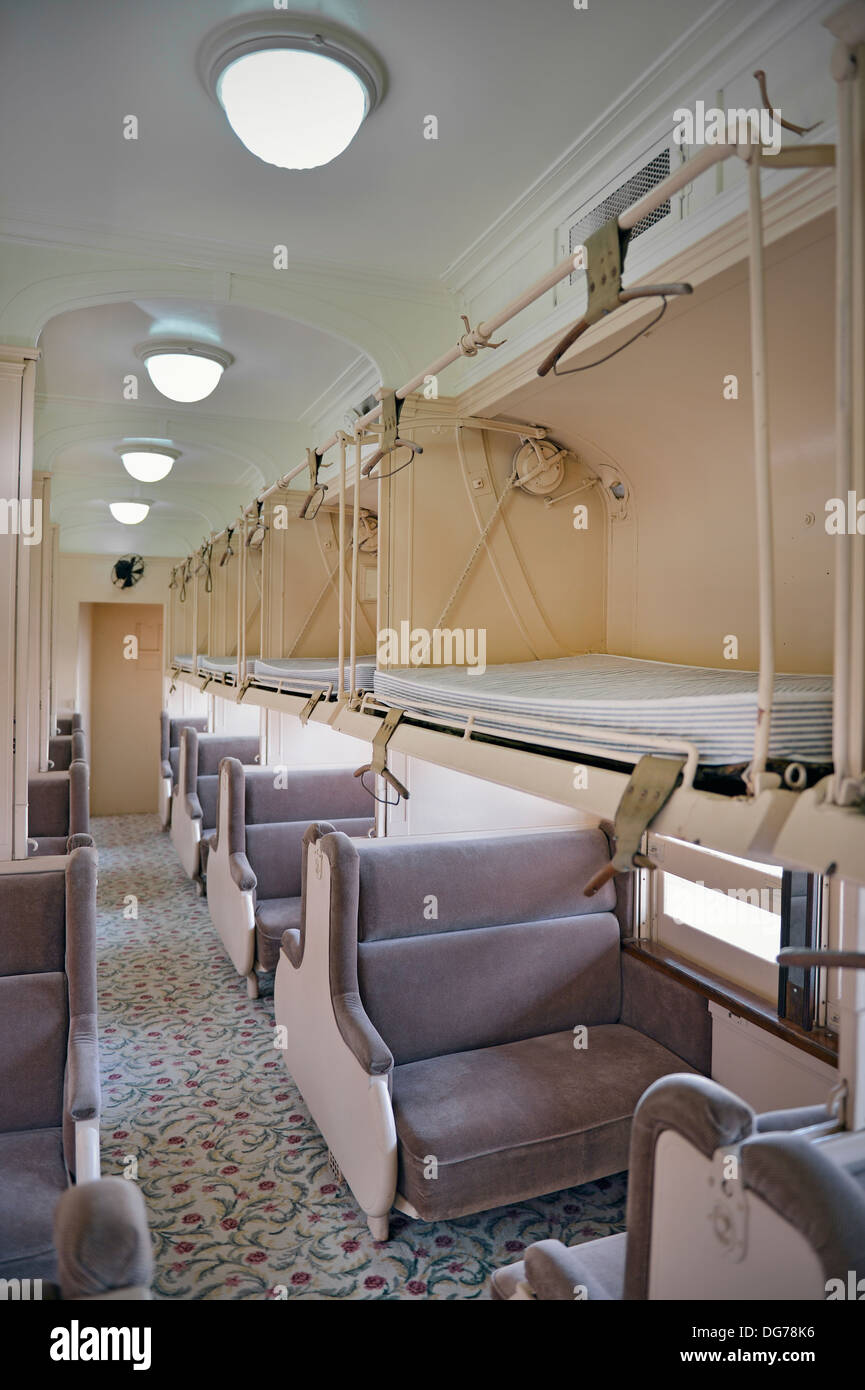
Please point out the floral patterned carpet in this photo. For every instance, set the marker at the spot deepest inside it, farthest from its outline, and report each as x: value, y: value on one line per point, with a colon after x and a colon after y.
x: 198, y: 1106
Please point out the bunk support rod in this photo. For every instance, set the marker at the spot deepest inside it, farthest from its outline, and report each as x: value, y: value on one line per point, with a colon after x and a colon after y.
x: 843, y: 425
x: 340, y: 687
x: 480, y: 336
x: 757, y: 776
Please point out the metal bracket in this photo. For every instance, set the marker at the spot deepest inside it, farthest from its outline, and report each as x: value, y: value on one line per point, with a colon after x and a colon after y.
x: 390, y: 440
x: 310, y: 705
x: 378, y: 765
x: 316, y: 489
x: 603, y: 260
x: 205, y: 683
x: 472, y: 340
x: 650, y: 786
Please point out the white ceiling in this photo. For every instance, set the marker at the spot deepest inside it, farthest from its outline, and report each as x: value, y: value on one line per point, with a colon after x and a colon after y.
x: 513, y: 83
x: 280, y: 366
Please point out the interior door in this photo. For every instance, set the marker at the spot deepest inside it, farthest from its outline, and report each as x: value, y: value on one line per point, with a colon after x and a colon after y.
x: 125, y: 700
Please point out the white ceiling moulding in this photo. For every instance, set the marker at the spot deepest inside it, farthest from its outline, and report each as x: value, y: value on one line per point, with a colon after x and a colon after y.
x: 727, y: 39
x: 295, y: 88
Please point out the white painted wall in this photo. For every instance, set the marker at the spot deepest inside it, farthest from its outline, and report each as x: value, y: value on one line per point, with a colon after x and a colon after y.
x: 82, y: 579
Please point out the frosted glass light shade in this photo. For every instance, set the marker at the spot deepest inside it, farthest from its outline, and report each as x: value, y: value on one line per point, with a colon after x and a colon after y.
x: 147, y: 465
x: 292, y: 108
x: 183, y: 376
x: 130, y: 513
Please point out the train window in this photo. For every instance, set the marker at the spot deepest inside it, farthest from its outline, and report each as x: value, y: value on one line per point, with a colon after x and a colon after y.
x: 721, y: 912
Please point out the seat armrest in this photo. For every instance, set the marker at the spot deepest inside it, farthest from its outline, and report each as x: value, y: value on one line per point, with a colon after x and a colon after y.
x: 775, y: 1121
x: 166, y: 770
x: 242, y: 872
x: 193, y: 806
x: 103, y: 1242
x: 361, y: 1036
x: 83, y: 1094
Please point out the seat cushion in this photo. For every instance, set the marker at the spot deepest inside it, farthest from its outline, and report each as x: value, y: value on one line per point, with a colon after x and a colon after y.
x: 273, y: 917
x: 508, y: 1123
x: 32, y: 1177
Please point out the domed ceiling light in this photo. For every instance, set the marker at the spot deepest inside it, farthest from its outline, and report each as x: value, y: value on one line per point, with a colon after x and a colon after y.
x: 295, y: 88
x: 183, y: 371
x: 147, y: 463
x: 130, y: 513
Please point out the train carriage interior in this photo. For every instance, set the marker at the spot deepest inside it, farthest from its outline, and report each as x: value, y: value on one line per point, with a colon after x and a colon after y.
x: 432, y: 637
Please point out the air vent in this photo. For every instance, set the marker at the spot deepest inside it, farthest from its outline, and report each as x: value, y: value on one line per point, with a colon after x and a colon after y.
x: 627, y: 193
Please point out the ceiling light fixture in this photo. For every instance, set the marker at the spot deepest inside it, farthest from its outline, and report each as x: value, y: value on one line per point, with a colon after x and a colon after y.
x: 146, y: 462
x: 295, y: 89
x: 183, y: 371
x: 130, y: 513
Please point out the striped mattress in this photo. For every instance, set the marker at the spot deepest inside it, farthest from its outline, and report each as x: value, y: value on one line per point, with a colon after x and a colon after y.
x: 310, y: 672
x: 714, y: 709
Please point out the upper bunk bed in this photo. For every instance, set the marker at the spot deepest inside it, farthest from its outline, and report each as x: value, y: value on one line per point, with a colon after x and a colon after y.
x: 619, y: 558
x: 275, y: 593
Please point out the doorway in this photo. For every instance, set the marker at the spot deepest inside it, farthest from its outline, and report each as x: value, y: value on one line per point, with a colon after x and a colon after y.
x: 125, y: 701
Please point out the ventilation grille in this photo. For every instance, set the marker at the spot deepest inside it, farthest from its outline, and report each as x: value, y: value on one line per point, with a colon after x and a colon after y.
x: 335, y: 1169
x: 628, y: 193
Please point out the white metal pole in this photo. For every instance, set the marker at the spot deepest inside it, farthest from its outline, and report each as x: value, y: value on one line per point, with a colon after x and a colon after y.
x: 680, y: 178
x: 354, y: 552
x: 340, y: 689
x: 843, y: 432
x: 762, y: 477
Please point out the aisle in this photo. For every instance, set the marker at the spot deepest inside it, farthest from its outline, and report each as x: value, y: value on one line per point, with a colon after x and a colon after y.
x: 239, y: 1194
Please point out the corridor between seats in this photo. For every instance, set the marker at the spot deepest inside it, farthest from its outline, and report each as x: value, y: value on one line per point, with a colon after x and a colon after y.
x: 240, y: 1196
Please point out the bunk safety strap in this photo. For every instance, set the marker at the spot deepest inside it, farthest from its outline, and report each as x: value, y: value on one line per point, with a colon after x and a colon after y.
x: 390, y: 438
x: 310, y: 705
x: 379, y: 766
x: 310, y: 507
x: 650, y: 787
x: 603, y: 260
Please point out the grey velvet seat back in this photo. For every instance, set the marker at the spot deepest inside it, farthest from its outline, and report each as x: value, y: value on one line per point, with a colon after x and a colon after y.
x: 48, y: 803
x: 170, y: 729
x: 307, y: 794
x: 32, y: 911
x: 483, y: 942
x: 212, y: 748
x: 34, y: 1027
x: 274, y: 851
x: 173, y: 761
x: 208, y: 795
x: 478, y: 882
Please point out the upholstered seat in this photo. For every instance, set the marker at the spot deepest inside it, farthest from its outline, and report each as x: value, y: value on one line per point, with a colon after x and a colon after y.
x: 90, y: 1238
x: 273, y: 918
x: 722, y: 1203
x: 253, y: 859
x: 193, y: 805
x: 58, y: 808
x: 32, y: 1174
x: 459, y: 1022
x: 169, y: 756
x: 540, y: 1102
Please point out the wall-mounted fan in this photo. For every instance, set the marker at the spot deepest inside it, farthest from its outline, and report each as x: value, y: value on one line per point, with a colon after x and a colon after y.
x: 127, y: 571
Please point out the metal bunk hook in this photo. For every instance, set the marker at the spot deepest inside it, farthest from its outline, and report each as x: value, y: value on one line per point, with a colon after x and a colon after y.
x: 603, y: 261
x: 390, y: 440
x: 316, y: 489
